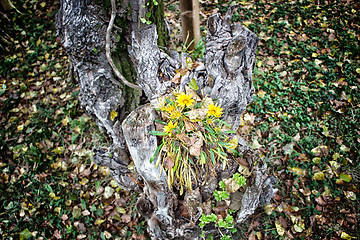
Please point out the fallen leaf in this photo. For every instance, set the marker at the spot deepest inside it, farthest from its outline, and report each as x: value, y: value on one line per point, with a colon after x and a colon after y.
x: 99, y: 221
x: 320, y: 151
x: 288, y: 148
x: 231, y: 185
x: 109, y: 191
x: 76, y: 212
x: 126, y: 218
x: 269, y: 208
x: 189, y: 126
x: 195, y: 149
x: 350, y: 195
x: 255, y: 144
x: 297, y: 171
x: 344, y: 235
x: 197, y: 114
x: 344, y: 148
x: 279, y: 228
x: 168, y: 163
x: 299, y: 225
x: 331, y: 37
x: 85, y: 212
x: 319, y: 176
x: 183, y: 137
x: 345, y: 177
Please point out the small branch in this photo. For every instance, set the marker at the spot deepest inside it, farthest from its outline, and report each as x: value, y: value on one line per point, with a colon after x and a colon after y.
x: 108, y: 53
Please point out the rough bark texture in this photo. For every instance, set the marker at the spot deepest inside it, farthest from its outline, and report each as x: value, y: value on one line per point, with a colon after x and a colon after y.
x: 225, y: 75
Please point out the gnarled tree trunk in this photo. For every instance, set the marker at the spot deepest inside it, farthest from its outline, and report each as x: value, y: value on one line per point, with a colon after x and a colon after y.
x: 225, y: 75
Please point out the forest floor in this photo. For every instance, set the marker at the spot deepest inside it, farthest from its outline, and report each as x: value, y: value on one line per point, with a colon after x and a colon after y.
x: 304, y: 119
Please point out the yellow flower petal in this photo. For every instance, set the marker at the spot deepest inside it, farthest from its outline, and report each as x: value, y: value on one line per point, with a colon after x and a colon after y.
x: 214, y: 110
x: 184, y: 99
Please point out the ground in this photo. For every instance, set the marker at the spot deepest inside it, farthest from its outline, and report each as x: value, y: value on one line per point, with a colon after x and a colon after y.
x: 304, y: 119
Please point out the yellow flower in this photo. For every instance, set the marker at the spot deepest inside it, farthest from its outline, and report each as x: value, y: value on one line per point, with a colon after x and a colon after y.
x: 214, y: 110
x: 170, y: 108
x: 169, y: 127
x: 175, y: 114
x: 184, y: 99
x: 233, y: 143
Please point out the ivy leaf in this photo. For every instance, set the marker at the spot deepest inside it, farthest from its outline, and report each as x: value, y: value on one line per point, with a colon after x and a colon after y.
x: 345, y: 177
x: 25, y: 234
x: 319, y: 176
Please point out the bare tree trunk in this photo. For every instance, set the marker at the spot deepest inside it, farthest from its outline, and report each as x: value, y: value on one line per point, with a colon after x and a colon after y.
x: 190, y: 22
x: 225, y: 75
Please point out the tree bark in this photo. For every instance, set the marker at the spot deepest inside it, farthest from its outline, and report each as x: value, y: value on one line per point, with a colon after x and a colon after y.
x: 225, y: 74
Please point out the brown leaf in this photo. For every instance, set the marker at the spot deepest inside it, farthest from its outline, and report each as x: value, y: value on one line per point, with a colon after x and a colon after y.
x: 177, y: 78
x: 252, y: 236
x: 168, y: 163
x: 283, y: 221
x: 184, y: 138
x: 270, y: 62
x: 57, y: 234
x: 331, y: 37
x: 193, y: 93
x: 195, y: 149
x: 189, y: 126
x: 242, y: 161
x: 126, y: 218
x: 197, y: 114
x: 85, y: 173
x: 220, y: 210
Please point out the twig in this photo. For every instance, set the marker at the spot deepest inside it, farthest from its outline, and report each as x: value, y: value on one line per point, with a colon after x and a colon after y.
x: 107, y: 49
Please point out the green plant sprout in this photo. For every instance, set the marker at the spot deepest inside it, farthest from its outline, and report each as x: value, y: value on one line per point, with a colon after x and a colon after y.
x: 227, y: 223
x: 146, y: 19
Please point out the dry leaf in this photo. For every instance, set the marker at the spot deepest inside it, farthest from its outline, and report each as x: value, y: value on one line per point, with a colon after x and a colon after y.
x: 231, y: 185
x: 189, y: 126
x: 320, y: 151
x: 184, y: 138
x: 197, y: 114
x: 279, y: 228
x: 195, y: 149
x: 193, y: 93
x: 177, y: 78
x: 126, y: 218
x: 168, y: 163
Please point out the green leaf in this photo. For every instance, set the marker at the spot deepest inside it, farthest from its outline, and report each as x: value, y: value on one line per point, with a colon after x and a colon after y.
x: 143, y: 20
x: 345, y: 177
x: 229, y: 219
x: 203, y: 157
x: 230, y: 131
x: 212, y: 157
x: 193, y: 84
x: 222, y: 185
x: 148, y: 14
x: 25, y: 234
x: 156, y: 152
x: 221, y: 195
x: 225, y: 123
x: 159, y: 121
x: 156, y: 133
x: 212, y: 217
